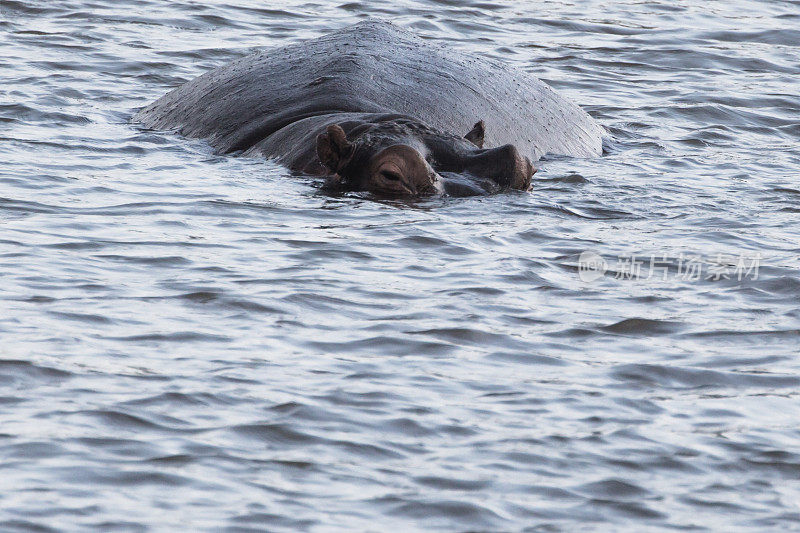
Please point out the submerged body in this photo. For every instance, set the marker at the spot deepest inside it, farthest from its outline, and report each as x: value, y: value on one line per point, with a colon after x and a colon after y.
x: 378, y: 108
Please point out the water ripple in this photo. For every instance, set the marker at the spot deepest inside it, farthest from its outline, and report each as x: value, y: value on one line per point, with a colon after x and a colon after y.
x: 192, y: 341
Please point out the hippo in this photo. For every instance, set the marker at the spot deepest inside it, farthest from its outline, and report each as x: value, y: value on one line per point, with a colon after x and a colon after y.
x: 373, y: 107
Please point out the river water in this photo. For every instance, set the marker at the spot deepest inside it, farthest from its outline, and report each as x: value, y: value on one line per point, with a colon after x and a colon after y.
x: 197, y: 342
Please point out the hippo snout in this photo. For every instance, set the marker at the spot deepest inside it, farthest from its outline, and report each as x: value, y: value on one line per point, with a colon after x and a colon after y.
x: 530, y: 170
x: 504, y: 165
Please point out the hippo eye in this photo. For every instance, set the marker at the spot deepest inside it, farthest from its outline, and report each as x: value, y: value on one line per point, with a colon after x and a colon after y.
x: 393, y: 176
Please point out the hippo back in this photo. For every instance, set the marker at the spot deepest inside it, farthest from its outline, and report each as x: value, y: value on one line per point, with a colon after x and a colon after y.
x: 374, y: 67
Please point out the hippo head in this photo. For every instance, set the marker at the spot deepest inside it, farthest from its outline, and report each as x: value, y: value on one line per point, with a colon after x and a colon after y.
x: 402, y: 156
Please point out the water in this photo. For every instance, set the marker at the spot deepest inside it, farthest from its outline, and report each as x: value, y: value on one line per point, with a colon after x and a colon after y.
x: 204, y: 342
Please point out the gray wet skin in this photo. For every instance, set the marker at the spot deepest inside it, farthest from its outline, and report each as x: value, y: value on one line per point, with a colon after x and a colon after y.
x: 373, y: 107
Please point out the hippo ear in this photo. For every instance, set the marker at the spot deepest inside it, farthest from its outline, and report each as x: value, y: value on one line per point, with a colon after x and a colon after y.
x: 333, y: 148
x: 475, y: 135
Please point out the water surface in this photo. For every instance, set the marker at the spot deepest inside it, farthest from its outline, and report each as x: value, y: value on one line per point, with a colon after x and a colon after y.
x: 205, y: 342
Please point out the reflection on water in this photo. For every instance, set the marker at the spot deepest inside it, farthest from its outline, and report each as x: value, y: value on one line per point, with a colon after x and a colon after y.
x: 190, y: 339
